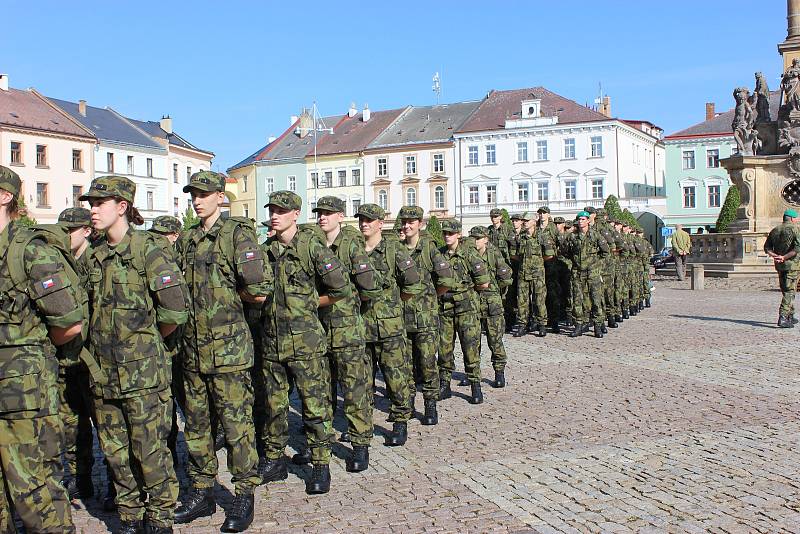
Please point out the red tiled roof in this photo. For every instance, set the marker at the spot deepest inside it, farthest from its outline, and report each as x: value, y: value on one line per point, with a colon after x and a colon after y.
x: 24, y: 109
x: 352, y: 134
x: 502, y: 105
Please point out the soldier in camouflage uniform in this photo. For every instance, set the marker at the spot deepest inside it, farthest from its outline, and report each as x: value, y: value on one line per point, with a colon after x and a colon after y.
x: 783, y: 246
x: 552, y: 281
x: 518, y: 221
x: 138, y: 296
x: 535, y: 248
x: 499, y: 233
x: 491, y: 304
x: 628, y: 257
x: 459, y: 310
x: 421, y: 314
x: 40, y: 309
x: 307, y: 277
x: 563, y: 267
x: 224, y: 266
x: 386, y: 341
x: 602, y: 226
x: 586, y: 249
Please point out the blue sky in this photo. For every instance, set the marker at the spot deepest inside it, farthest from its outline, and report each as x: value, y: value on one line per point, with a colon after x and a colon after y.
x: 231, y: 73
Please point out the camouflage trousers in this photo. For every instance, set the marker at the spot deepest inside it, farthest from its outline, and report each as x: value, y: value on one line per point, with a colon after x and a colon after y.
x: 392, y: 357
x: 532, y: 292
x: 468, y: 328
x: 555, y: 311
x: 587, y: 287
x: 510, y: 296
x: 493, y: 325
x: 424, y: 344
x: 30, y: 458
x: 231, y: 397
x: 565, y: 278
x: 75, y: 410
x: 788, y: 284
x: 133, y: 435
x: 312, y: 378
x: 621, y: 287
x: 610, y: 302
x: 351, y: 369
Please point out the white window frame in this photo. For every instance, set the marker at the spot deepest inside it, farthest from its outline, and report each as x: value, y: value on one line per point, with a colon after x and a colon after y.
x: 541, y: 150
x: 594, y: 183
x: 411, y: 196
x: 291, y: 182
x: 382, y: 164
x: 523, y: 187
x: 596, y: 142
x: 708, y: 154
x: 269, y: 184
x: 473, y: 157
x: 438, y: 192
x: 411, y: 164
x: 473, y: 195
x: 491, y: 194
x: 540, y: 188
x: 522, y: 151
x: 383, y: 199
x: 688, y: 163
x: 491, y: 154
x: 719, y: 195
x: 353, y: 174
x: 693, y: 187
x: 569, y: 148
x: 438, y: 163
x: 570, y: 185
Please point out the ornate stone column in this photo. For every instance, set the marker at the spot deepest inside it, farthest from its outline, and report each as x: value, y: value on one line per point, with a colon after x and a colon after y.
x: 790, y: 48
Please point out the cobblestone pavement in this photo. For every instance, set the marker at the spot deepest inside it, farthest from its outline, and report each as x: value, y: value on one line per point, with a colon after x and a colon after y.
x: 686, y: 419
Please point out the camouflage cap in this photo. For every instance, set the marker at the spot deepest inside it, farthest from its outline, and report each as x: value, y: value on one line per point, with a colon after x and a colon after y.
x: 478, y: 232
x: 371, y: 211
x: 567, y: 224
x: 111, y: 186
x: 558, y: 220
x: 583, y: 213
x: 411, y: 212
x: 329, y: 203
x: 543, y: 209
x: 517, y: 217
x: 495, y: 212
x: 590, y: 209
x: 451, y: 226
x: 205, y: 181
x: 285, y: 199
x: 10, y: 181
x: 601, y: 211
x: 166, y: 224
x: 75, y: 217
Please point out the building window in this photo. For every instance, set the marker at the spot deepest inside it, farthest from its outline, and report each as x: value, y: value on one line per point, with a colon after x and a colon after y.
x: 175, y: 205
x: 244, y: 184
x: 570, y: 190
x: 150, y: 201
x: 41, y: 156
x: 130, y: 164
x: 383, y: 167
x: 314, y: 180
x: 110, y: 161
x: 490, y: 155
x: 41, y: 195
x: 522, y: 193
x: 77, y: 191
x: 688, y: 159
x: 438, y: 197
x: 411, y: 164
x: 174, y: 172
x: 313, y: 206
x: 77, y: 160
x: 712, y: 158
x: 356, y: 176
x: 542, y: 191
x: 356, y: 205
x: 269, y: 183
x: 597, y: 146
x: 383, y: 199
x: 473, y: 155
x: 491, y: 194
x: 438, y: 163
x: 522, y: 151
x: 541, y: 150
x: 411, y: 197
x: 188, y: 174
x: 689, y: 196
x: 474, y: 195
x: 569, y: 148
x: 328, y: 182
x: 150, y: 167
x: 597, y: 188
x: 342, y: 178
x: 246, y: 211
x: 16, y: 153
x: 713, y: 196
x: 292, y: 181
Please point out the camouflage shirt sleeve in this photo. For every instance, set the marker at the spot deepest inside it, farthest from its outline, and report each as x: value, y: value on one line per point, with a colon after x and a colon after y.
x: 548, y: 246
x: 365, y: 277
x: 478, y: 270
x: 166, y: 284
x: 249, y: 263
x: 442, y: 271
x: 50, y: 287
x: 504, y: 275
x: 406, y: 273
x: 328, y: 269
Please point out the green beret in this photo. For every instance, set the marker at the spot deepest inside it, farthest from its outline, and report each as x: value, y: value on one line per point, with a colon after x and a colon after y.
x: 285, y: 199
x: 583, y: 213
x: 329, y: 203
x: 10, y: 181
x: 478, y: 232
x: 790, y: 213
x: 111, y: 186
x: 451, y: 226
x: 411, y: 212
x: 75, y: 217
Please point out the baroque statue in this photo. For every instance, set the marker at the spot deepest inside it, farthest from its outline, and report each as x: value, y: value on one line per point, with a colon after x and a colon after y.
x: 744, y: 120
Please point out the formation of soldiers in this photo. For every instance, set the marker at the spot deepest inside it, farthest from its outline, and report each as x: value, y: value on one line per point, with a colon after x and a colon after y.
x: 109, y: 327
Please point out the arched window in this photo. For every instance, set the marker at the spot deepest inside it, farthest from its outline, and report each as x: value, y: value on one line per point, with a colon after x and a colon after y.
x: 438, y: 197
x: 383, y: 199
x: 411, y: 197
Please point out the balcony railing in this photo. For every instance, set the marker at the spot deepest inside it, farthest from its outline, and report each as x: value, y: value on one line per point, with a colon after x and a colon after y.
x: 572, y: 206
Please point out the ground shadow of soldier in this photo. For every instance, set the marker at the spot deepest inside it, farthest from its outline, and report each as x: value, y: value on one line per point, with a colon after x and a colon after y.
x: 760, y: 324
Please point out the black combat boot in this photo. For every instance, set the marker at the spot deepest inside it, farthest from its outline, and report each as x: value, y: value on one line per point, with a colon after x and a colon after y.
x: 612, y: 323
x: 618, y: 319
x: 785, y: 322
x: 464, y: 381
x: 577, y: 331
x: 219, y: 439
x: 541, y: 330
x: 85, y: 486
x: 477, y: 394
x: 274, y: 470
x: 647, y: 302
x: 793, y: 319
x: 625, y: 314
x: 532, y: 328
x: 641, y: 305
x: 302, y: 458
x: 598, y: 330
x: 519, y: 330
x: 199, y: 502
x: 71, y: 485
x: 444, y: 388
x: 109, y: 503
x: 345, y: 436
x: 240, y: 514
x: 554, y: 326
x: 359, y: 460
x: 320, y: 481
x: 431, y: 416
x: 499, y: 379
x: 634, y: 310
x: 130, y: 527
x: 155, y: 529
x: 398, y: 436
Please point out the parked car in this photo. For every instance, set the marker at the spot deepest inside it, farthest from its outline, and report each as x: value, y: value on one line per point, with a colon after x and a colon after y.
x: 662, y: 262
x: 659, y: 256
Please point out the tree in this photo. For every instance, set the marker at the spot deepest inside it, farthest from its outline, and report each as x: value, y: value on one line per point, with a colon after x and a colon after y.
x: 434, y: 230
x: 612, y: 207
x: 727, y: 214
x: 506, y: 218
x: 24, y: 218
x: 629, y: 219
x: 189, y: 217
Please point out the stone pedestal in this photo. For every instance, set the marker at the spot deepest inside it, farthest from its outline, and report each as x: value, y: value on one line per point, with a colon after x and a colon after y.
x: 731, y: 255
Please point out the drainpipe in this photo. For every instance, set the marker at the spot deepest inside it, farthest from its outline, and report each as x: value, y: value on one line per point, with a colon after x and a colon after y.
x: 616, y: 149
x: 458, y: 184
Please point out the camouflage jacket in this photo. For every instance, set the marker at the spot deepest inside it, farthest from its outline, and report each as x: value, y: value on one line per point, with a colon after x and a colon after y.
x: 302, y: 270
x: 217, y: 264
x: 609, y: 234
x: 134, y: 286
x: 469, y: 270
x: 501, y: 238
x: 422, y: 311
x: 45, y: 298
x: 562, y: 249
x: 383, y: 315
x: 500, y: 277
x: 533, y: 248
x: 781, y: 240
x: 586, y: 251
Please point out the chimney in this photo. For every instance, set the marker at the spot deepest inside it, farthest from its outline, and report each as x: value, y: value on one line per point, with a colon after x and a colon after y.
x: 710, y: 113
x: 166, y: 124
x: 82, y: 107
x: 270, y: 139
x: 305, y: 125
x: 365, y: 116
x: 4, y: 82
x: 352, y: 111
x: 605, y: 106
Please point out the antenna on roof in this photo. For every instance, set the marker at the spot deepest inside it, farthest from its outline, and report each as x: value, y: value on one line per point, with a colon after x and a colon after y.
x: 599, y: 99
x: 437, y: 86
x: 317, y: 126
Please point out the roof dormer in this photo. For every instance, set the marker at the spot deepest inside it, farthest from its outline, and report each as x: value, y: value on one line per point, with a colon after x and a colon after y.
x: 531, y: 108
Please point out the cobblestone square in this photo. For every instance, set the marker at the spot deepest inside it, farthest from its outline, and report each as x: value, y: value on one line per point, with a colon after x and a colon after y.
x: 686, y: 419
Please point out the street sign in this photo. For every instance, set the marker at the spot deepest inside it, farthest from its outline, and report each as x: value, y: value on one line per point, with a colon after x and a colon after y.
x: 667, y: 231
